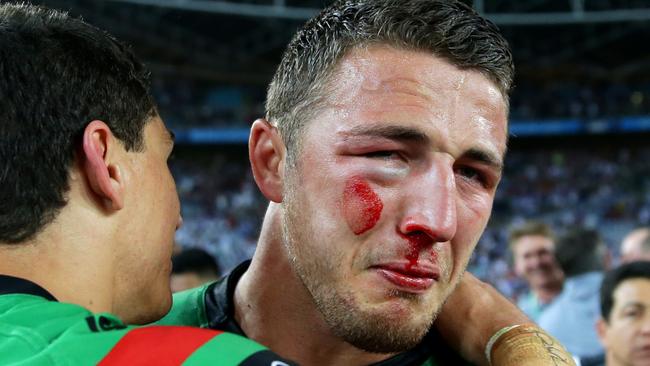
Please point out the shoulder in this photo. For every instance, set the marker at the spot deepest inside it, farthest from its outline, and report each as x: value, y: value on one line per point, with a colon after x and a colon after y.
x: 47, y: 332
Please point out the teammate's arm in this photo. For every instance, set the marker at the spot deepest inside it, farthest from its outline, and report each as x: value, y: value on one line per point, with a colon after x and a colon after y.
x: 476, y: 311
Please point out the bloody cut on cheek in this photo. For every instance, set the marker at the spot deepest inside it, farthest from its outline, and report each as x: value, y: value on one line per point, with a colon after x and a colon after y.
x: 361, y: 206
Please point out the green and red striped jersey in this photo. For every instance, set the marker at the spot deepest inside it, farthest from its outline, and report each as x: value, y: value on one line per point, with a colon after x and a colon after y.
x: 35, y: 329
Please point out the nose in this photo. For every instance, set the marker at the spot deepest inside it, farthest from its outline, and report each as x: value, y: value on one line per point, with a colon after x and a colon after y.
x: 430, y: 204
x: 645, y: 327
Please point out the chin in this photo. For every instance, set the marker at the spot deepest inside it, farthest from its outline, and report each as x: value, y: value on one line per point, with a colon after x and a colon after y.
x: 158, y: 307
x: 385, y: 337
x: 395, y: 327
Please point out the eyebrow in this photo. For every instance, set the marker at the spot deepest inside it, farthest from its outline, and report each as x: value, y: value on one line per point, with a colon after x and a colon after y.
x: 635, y: 304
x: 485, y: 157
x: 407, y: 134
x: 397, y: 133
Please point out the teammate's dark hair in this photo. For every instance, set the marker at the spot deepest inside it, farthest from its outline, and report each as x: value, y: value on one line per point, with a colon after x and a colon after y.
x: 445, y: 28
x: 615, y: 277
x: 57, y: 74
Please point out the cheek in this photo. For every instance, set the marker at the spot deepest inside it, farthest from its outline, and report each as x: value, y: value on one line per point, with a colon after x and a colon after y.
x: 361, y: 206
x: 472, y: 221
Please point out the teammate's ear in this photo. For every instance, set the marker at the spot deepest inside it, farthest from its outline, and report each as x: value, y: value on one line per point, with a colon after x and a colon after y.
x: 601, y: 330
x: 266, y: 152
x: 103, y: 174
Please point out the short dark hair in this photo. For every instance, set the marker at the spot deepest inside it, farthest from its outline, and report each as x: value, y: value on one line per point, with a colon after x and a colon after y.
x: 613, y: 278
x: 57, y: 74
x: 580, y: 250
x: 195, y: 260
x: 446, y: 28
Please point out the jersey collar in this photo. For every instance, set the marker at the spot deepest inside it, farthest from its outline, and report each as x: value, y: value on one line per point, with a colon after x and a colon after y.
x: 15, y: 285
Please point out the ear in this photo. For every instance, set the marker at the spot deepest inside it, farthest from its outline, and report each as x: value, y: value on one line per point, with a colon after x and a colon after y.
x: 266, y: 152
x: 103, y: 175
x: 601, y: 329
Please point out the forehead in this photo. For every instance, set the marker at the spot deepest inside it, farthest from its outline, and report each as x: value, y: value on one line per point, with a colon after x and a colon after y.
x: 632, y: 290
x: 382, y: 83
x: 632, y: 242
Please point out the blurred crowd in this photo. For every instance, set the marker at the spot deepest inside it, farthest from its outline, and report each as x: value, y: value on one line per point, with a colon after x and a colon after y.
x: 565, y: 100
x: 608, y: 190
x: 184, y: 102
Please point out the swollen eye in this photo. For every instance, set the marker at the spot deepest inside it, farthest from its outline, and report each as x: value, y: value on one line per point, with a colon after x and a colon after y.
x: 380, y: 154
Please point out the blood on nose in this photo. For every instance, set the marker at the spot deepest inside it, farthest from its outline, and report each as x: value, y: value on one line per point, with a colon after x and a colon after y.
x: 361, y: 205
x: 417, y: 240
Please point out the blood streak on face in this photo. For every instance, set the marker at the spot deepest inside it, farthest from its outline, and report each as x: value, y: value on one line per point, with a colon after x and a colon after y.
x: 417, y: 240
x: 361, y: 205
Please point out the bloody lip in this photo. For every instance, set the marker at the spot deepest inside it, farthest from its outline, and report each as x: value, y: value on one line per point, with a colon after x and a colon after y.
x: 409, y: 278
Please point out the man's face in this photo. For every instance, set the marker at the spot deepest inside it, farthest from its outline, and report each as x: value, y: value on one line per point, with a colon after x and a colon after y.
x: 626, y: 335
x: 152, y: 215
x: 392, y: 188
x: 534, y: 257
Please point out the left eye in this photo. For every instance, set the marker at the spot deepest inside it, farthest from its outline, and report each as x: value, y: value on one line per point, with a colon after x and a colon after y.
x: 380, y: 154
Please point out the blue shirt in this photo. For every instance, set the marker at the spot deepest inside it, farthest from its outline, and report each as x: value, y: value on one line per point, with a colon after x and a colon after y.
x: 572, y: 316
x: 531, y: 306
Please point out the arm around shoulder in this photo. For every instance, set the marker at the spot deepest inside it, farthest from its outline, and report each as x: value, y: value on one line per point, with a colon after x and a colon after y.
x: 474, y: 315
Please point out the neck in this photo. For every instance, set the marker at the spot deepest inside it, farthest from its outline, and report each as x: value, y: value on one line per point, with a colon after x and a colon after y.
x: 547, y: 293
x: 69, y: 270
x: 274, y: 308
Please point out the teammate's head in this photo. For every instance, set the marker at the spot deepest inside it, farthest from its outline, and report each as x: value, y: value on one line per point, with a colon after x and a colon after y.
x: 398, y: 110
x: 84, y: 156
x: 533, y: 251
x: 58, y: 74
x: 447, y: 29
x: 636, y: 245
x: 624, y: 328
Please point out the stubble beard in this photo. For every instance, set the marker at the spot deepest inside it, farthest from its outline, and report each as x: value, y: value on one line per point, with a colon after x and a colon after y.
x: 372, y: 332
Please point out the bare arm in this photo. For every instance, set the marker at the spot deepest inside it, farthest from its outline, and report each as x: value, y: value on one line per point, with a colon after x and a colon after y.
x: 476, y: 311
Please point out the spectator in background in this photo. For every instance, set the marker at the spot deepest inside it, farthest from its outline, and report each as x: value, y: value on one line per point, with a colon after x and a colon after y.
x: 572, y: 317
x: 624, y: 328
x: 192, y: 268
x: 533, y: 251
x: 636, y: 245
